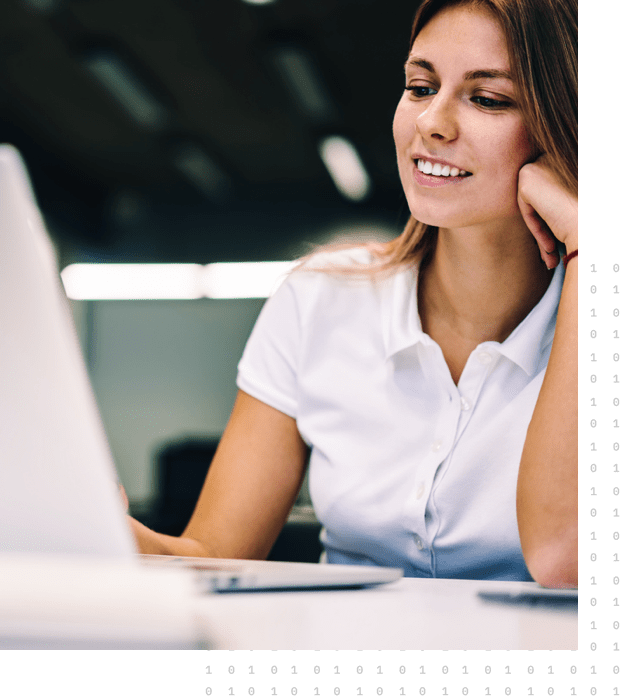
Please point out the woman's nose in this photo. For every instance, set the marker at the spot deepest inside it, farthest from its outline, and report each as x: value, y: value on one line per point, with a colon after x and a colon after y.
x: 438, y: 121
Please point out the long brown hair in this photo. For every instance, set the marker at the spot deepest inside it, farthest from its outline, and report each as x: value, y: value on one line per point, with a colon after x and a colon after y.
x: 541, y: 37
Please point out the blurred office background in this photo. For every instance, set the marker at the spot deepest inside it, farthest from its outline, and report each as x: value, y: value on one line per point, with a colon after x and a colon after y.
x: 197, y: 132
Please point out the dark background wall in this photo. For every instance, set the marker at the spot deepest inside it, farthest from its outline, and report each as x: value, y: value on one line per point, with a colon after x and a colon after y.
x: 217, y: 157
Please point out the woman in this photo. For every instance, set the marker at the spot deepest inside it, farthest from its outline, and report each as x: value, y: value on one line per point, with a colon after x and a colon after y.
x: 441, y: 440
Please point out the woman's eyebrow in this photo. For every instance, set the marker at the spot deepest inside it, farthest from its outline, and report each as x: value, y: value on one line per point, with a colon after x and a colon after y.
x: 493, y: 74
x: 490, y: 74
x: 420, y: 63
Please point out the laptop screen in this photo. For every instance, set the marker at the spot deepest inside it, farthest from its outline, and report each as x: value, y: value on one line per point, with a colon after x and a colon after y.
x: 58, y: 491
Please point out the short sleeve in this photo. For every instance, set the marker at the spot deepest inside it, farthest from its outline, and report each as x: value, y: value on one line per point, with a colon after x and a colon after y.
x: 268, y: 367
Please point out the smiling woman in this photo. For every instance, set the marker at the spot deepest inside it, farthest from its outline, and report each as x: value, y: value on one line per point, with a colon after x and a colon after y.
x: 539, y: 47
x: 434, y: 377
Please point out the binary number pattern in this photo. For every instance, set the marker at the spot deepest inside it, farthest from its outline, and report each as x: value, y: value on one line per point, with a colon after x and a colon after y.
x: 397, y: 673
x: 602, y: 467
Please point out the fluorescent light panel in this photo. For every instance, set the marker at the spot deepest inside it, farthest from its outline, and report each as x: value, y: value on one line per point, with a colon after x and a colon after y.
x: 201, y: 170
x: 132, y: 281
x: 42, y: 5
x: 244, y: 279
x: 173, y: 281
x: 345, y: 167
x: 127, y: 89
x: 304, y: 81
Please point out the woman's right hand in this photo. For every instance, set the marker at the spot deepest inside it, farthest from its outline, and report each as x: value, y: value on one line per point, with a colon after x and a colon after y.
x: 147, y: 541
x: 251, y: 486
x: 124, y: 497
x: 150, y: 542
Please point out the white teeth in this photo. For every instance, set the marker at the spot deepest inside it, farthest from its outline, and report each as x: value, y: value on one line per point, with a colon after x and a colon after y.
x: 438, y: 170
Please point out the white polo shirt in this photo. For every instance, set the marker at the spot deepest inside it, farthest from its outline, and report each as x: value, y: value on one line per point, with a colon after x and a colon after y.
x: 407, y: 469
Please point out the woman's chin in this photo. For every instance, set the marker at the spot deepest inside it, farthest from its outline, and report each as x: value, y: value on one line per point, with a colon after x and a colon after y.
x: 507, y: 218
x: 431, y: 219
x: 438, y: 217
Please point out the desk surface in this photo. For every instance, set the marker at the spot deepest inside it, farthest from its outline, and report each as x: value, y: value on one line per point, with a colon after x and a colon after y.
x: 436, y: 614
x: 57, y: 603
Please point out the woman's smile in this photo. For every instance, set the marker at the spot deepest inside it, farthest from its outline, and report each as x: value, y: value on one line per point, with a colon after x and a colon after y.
x: 436, y: 173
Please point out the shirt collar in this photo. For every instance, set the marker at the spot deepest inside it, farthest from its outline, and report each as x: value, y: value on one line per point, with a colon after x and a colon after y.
x: 401, y: 324
x: 525, y: 346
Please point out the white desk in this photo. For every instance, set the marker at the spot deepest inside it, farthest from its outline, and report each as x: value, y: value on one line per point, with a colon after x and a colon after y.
x: 416, y: 614
x: 56, y: 603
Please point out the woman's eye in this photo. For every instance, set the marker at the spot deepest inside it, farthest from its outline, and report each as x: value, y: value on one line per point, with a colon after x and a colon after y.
x: 490, y: 103
x: 420, y: 90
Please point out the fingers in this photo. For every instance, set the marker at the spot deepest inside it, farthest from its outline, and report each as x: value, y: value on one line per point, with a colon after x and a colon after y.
x: 540, y: 231
x: 547, y: 207
x: 124, y: 497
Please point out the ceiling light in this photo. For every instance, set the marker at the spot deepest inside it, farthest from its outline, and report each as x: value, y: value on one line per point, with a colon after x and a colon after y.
x: 305, y: 83
x: 258, y: 2
x: 127, y: 89
x: 42, y: 5
x: 244, y: 279
x: 345, y: 167
x: 132, y: 281
x: 173, y: 281
x: 200, y: 170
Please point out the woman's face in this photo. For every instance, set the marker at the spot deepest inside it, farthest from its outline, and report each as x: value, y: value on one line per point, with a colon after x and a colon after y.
x: 460, y: 138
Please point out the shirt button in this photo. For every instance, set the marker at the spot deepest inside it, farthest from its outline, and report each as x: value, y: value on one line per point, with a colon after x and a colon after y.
x: 419, y: 544
x: 436, y: 445
x: 420, y: 491
x: 465, y: 404
x: 483, y: 357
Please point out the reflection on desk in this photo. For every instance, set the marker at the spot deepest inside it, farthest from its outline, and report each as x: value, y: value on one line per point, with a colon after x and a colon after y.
x: 436, y: 614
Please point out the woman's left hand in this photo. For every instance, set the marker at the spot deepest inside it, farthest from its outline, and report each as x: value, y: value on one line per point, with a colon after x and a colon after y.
x: 124, y: 497
x: 549, y: 210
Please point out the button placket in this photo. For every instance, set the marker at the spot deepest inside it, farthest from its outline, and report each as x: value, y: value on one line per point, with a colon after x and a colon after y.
x: 436, y: 445
x: 484, y: 358
x: 472, y: 381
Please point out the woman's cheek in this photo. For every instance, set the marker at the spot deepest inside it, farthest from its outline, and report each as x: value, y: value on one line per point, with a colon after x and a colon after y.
x: 402, y: 127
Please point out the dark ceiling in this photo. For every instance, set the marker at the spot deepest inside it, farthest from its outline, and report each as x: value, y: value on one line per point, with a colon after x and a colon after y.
x: 224, y: 162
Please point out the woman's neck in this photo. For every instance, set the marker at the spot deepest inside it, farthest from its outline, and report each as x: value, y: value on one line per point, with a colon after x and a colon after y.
x: 479, y: 287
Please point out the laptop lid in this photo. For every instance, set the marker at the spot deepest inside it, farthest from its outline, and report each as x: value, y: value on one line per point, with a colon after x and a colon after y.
x: 58, y: 486
x: 224, y: 575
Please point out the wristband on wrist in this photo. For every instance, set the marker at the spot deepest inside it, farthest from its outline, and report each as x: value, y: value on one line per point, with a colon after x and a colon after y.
x: 568, y: 257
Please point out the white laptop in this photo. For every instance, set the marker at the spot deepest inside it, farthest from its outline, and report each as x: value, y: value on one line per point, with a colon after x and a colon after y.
x: 58, y: 485
x: 222, y: 575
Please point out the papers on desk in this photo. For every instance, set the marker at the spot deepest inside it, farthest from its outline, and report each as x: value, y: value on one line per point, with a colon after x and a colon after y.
x: 57, y: 602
